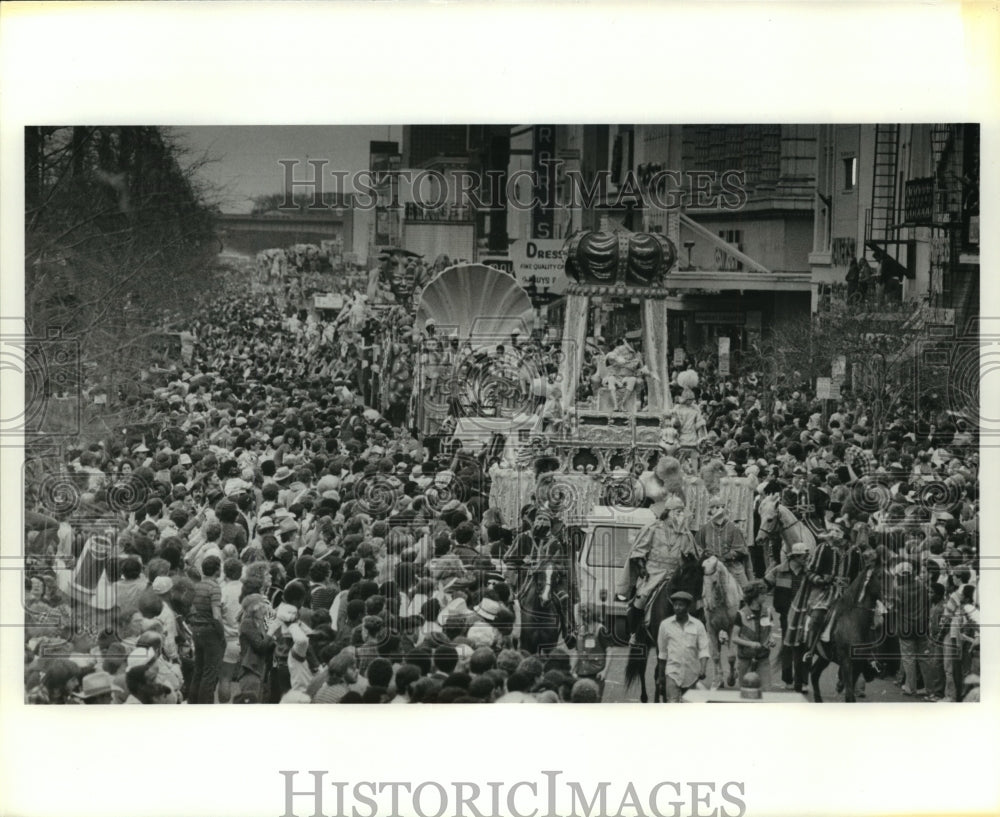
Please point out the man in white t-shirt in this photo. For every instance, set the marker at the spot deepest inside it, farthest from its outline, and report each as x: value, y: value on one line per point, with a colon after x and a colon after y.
x: 298, y: 663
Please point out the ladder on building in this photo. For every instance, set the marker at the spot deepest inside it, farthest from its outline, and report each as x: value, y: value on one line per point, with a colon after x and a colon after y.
x: 882, y: 215
x: 946, y: 144
x: 942, y: 138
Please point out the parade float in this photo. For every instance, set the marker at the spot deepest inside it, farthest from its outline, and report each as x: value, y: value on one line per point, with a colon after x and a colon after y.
x: 622, y: 439
x: 472, y: 379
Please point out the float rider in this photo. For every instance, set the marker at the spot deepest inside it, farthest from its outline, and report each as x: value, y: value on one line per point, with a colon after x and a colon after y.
x: 655, y: 555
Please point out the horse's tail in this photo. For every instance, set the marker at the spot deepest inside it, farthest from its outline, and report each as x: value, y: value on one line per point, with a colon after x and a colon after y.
x: 635, y: 667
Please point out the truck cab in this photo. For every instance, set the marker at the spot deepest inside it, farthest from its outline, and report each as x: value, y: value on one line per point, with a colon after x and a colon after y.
x: 608, y: 534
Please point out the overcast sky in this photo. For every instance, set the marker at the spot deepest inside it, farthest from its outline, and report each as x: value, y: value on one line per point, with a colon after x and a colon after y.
x: 248, y: 156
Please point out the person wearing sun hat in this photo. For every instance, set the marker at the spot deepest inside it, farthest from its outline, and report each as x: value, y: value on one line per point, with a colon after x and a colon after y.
x: 656, y: 553
x: 97, y: 688
x: 723, y: 539
x: 486, y: 610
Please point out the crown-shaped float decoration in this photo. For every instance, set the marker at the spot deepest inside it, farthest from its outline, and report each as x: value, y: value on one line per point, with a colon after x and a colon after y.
x: 619, y: 258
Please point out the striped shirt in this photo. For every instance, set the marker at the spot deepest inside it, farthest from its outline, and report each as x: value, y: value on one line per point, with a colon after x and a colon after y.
x: 207, y: 594
x: 330, y: 694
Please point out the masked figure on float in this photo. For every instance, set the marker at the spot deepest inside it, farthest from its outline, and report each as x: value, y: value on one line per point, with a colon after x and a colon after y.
x: 689, y: 420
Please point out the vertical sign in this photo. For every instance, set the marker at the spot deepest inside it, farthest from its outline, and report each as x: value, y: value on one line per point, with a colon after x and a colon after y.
x: 382, y: 229
x: 544, y: 171
x: 724, y: 356
x: 838, y: 372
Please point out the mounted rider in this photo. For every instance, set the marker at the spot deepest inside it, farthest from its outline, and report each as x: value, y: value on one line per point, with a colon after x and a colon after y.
x: 543, y: 540
x: 723, y: 539
x: 824, y: 582
x: 796, y: 496
x: 656, y: 554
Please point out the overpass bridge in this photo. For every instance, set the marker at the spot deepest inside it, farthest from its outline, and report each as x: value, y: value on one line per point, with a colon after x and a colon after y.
x: 248, y: 234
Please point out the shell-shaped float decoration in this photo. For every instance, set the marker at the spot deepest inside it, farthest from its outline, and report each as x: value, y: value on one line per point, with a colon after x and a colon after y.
x: 477, y: 302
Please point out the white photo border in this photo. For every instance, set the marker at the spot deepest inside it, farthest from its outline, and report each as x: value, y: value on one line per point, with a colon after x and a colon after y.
x: 392, y: 63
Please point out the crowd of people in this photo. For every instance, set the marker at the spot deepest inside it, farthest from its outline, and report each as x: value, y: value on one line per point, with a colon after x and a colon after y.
x: 282, y: 535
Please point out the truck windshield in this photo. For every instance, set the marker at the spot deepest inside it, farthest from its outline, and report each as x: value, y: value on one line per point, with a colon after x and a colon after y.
x: 609, y: 546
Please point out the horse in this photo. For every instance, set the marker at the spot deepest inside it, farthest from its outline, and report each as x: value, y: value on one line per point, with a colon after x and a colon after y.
x: 688, y: 577
x: 721, y: 596
x: 777, y: 520
x: 544, y: 602
x: 853, y: 614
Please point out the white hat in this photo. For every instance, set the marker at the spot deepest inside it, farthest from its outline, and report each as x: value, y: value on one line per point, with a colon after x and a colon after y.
x: 140, y: 656
x: 162, y: 585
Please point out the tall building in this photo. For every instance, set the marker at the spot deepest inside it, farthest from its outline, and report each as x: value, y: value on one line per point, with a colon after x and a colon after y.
x: 910, y: 192
x: 425, y: 145
x: 446, y: 203
x: 736, y: 200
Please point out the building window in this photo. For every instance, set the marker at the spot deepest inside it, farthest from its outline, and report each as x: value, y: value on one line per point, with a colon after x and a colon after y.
x: 724, y: 260
x: 850, y: 173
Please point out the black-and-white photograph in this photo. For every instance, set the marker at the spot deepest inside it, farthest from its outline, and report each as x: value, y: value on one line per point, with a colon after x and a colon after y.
x: 501, y: 413
x: 358, y: 353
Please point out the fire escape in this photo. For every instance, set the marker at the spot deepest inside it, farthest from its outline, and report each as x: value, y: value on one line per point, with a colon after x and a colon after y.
x: 881, y: 222
x: 947, y: 200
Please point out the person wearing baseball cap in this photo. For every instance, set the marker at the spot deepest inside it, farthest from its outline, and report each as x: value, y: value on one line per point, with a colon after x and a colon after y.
x: 682, y: 649
x: 162, y: 587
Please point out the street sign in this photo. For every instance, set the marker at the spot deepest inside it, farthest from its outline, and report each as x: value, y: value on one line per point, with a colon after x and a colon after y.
x: 541, y: 259
x: 827, y: 388
x: 538, y: 258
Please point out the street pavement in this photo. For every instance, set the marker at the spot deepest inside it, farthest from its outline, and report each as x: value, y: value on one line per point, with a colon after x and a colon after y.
x: 879, y: 690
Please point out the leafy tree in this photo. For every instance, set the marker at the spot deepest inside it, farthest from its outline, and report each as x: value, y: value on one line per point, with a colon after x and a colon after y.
x: 881, y: 344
